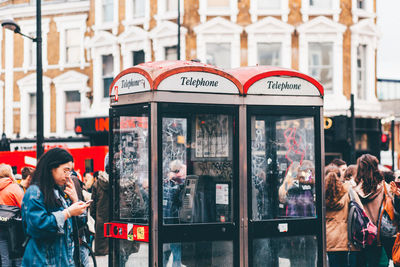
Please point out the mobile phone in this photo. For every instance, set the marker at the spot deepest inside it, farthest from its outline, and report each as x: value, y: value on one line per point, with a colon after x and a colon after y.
x: 89, y: 201
x: 398, y: 184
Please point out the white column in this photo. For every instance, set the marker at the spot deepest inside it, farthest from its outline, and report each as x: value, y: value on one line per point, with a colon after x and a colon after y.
x: 97, y: 82
x: 9, y: 83
x: 60, y: 121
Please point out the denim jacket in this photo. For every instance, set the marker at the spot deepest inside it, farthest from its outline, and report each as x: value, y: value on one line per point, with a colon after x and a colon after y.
x: 51, y: 242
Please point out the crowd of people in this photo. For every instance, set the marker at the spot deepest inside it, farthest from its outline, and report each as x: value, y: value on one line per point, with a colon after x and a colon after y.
x: 371, y: 186
x: 60, y: 211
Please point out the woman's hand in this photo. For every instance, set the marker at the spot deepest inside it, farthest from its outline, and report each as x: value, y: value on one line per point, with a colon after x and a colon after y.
x: 394, y: 189
x: 70, y: 190
x: 76, y: 209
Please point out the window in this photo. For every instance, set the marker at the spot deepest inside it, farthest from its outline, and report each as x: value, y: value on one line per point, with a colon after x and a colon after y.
x: 31, y: 51
x: 361, y: 4
x: 171, y: 53
x: 108, y: 67
x: 320, y: 63
x: 218, y: 3
x: 269, y: 4
x: 138, y: 57
x: 73, y: 45
x: 72, y: 108
x: 108, y: 10
x: 138, y: 8
x: 361, y: 72
x: 269, y: 54
x: 32, y: 112
x: 218, y: 54
x: 171, y: 5
x: 322, y: 4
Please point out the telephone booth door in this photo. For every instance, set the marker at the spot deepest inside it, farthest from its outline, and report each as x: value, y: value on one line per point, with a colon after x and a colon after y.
x: 129, y: 159
x: 198, y: 192
x: 284, y: 229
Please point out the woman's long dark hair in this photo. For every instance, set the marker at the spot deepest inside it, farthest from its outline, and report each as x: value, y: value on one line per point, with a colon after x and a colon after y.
x: 43, y: 176
x: 368, y: 172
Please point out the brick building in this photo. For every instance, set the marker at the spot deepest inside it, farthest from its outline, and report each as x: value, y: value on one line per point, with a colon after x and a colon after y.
x: 87, y: 43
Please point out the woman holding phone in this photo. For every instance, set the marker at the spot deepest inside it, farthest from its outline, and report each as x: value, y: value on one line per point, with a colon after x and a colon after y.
x: 47, y: 208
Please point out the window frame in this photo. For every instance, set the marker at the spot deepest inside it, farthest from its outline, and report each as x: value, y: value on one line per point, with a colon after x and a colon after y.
x: 320, y: 67
x: 69, y: 81
x: 64, y: 24
x: 99, y: 23
x: 322, y: 29
x: 278, y: 32
x: 102, y: 43
x: 222, y: 30
x: 130, y: 20
x: 164, y: 35
x: 307, y: 10
x: 163, y: 14
x: 359, y: 13
x: 283, y: 11
x: 365, y: 32
x: 232, y: 11
x: 26, y: 86
x: 134, y: 39
x: 29, y: 26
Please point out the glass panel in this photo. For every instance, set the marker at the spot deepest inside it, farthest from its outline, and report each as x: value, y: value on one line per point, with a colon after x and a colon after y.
x: 138, y: 8
x: 320, y: 63
x: 32, y: 112
x: 132, y: 254
x: 108, y: 70
x: 282, y: 167
x: 212, y: 254
x: 32, y: 51
x: 108, y: 10
x: 361, y: 72
x: 72, y: 109
x: 171, y: 5
x: 138, y: 57
x: 269, y: 4
x: 131, y: 167
x: 171, y: 53
x: 73, y: 45
x: 361, y: 4
x: 323, y: 4
x: 285, y: 251
x: 218, y: 3
x: 269, y: 54
x: 219, y: 54
x: 197, y: 188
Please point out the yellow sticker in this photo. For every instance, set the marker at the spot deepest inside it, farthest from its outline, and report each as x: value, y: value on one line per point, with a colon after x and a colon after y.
x: 140, y: 233
x: 180, y: 139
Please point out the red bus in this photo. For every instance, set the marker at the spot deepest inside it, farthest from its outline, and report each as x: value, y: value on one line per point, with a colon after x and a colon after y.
x: 86, y: 159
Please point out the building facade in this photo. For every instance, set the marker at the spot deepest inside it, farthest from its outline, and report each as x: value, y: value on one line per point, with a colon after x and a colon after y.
x: 87, y: 43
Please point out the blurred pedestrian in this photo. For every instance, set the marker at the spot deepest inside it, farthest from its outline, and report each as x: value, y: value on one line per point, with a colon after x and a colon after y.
x: 11, y: 195
x: 88, y: 180
x: 350, y: 175
x: 341, y: 164
x: 100, y: 212
x: 47, y: 210
x: 370, y: 190
x: 26, y: 177
x: 337, y: 206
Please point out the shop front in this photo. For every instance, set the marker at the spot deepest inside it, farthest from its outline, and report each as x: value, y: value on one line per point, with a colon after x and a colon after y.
x: 215, y: 168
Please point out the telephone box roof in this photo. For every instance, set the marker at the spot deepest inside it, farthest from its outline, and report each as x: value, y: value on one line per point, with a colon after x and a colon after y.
x: 251, y: 77
x: 176, y: 75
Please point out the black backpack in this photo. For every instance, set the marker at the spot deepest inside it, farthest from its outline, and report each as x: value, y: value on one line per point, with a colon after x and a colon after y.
x: 361, y: 231
x: 11, y: 223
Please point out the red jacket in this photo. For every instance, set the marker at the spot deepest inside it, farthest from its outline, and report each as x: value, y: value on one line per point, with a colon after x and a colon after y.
x: 10, y: 192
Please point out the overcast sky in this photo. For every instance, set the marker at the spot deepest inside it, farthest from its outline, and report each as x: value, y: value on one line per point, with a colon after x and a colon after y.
x: 389, y: 43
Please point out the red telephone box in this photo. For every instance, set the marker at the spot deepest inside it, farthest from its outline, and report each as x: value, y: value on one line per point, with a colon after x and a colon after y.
x: 215, y: 168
